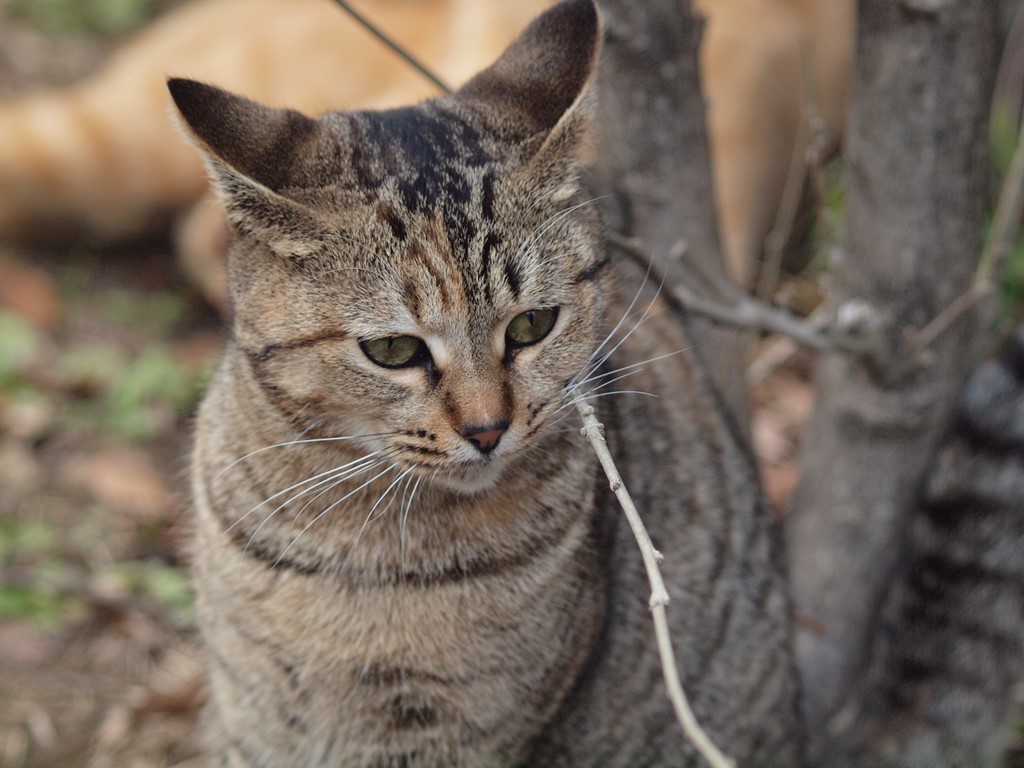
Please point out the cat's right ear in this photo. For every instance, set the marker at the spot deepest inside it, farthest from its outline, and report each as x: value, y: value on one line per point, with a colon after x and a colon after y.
x: 265, y: 145
x: 254, y: 153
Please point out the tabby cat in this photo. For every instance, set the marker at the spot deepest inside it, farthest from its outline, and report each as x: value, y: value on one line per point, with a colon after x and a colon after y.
x: 406, y: 554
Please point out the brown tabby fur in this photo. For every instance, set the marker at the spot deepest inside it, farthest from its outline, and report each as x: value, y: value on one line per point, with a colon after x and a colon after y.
x: 434, y: 604
x: 101, y: 159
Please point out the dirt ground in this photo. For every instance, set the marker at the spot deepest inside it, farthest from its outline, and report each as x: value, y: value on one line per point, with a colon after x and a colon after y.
x: 102, y: 357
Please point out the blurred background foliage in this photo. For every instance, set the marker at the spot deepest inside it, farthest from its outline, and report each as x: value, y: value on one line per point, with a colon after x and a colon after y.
x: 87, y: 17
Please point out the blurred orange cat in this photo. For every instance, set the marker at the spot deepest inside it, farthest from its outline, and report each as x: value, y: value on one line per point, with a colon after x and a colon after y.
x: 101, y: 160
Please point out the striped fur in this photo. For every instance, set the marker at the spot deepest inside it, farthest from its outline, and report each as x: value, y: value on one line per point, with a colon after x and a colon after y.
x: 949, y: 655
x: 373, y: 589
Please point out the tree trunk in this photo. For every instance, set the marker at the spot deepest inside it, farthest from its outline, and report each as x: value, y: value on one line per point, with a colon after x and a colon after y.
x: 652, y: 166
x: 916, y: 169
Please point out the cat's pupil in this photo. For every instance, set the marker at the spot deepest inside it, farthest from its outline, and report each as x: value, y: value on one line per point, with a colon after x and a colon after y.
x: 530, y: 326
x: 396, y: 351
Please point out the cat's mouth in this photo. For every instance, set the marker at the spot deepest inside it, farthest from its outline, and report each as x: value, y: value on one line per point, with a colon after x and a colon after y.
x: 454, y: 465
x: 472, y: 477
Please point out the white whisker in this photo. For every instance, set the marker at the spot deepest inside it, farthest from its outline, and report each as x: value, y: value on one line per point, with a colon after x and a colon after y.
x: 404, y: 517
x: 625, y: 315
x: 580, y: 394
x: 310, y: 524
x: 551, y: 221
x: 300, y: 441
x: 314, y: 479
x: 647, y: 315
x: 634, y: 368
x: 370, y: 517
x: 332, y: 482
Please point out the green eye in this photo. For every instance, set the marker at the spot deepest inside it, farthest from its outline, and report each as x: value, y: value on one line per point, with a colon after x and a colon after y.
x: 530, y: 327
x: 396, y: 351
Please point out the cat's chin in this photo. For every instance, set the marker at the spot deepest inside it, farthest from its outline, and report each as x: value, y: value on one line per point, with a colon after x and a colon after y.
x: 469, y: 480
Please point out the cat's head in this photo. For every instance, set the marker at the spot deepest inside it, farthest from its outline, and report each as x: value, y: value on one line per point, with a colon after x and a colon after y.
x: 429, y: 277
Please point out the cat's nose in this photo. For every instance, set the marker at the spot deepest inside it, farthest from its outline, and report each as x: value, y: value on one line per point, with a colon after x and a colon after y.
x: 486, y: 438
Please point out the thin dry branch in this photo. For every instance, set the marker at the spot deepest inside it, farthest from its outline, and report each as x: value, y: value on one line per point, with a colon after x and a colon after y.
x: 395, y: 47
x: 594, y: 432
x: 1005, y: 225
x: 735, y: 308
x: 806, y: 152
x: 780, y: 351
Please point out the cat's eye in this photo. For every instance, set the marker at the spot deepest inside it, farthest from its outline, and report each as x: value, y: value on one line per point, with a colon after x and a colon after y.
x: 530, y: 326
x: 396, y: 351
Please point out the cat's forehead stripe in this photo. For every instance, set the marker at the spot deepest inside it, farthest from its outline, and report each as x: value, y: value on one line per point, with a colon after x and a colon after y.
x: 428, y: 258
x: 423, y: 151
x: 513, y: 277
x: 487, y: 197
x: 490, y: 241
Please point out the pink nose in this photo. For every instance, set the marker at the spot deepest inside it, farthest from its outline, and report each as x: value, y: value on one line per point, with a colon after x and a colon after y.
x: 484, y: 438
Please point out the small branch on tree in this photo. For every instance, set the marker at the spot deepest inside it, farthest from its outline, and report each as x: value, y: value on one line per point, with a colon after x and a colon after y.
x: 807, y: 150
x: 855, y: 330
x: 780, y: 351
x: 594, y: 432
x: 921, y: 339
x: 1005, y: 224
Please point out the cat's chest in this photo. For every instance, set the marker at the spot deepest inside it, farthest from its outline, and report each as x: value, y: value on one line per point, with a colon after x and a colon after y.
x: 444, y: 623
x: 472, y: 662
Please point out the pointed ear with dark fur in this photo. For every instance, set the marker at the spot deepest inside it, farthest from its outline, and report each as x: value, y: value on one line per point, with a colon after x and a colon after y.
x: 540, y: 93
x: 270, y: 146
x: 254, y: 154
x: 542, y: 78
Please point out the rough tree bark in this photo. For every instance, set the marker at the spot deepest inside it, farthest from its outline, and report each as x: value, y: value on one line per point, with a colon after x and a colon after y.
x: 652, y: 166
x: 916, y: 170
x: 948, y: 654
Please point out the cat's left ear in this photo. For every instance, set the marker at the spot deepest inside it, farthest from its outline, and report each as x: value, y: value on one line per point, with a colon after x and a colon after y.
x: 540, y: 91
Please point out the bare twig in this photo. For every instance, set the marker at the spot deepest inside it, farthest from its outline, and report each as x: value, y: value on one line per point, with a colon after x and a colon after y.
x: 739, y: 310
x: 594, y: 431
x: 1005, y: 225
x: 924, y: 337
x: 805, y: 151
x: 395, y: 47
x: 780, y: 351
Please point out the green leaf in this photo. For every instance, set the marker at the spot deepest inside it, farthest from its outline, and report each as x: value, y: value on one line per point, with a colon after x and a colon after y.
x: 21, y: 539
x: 43, y: 607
